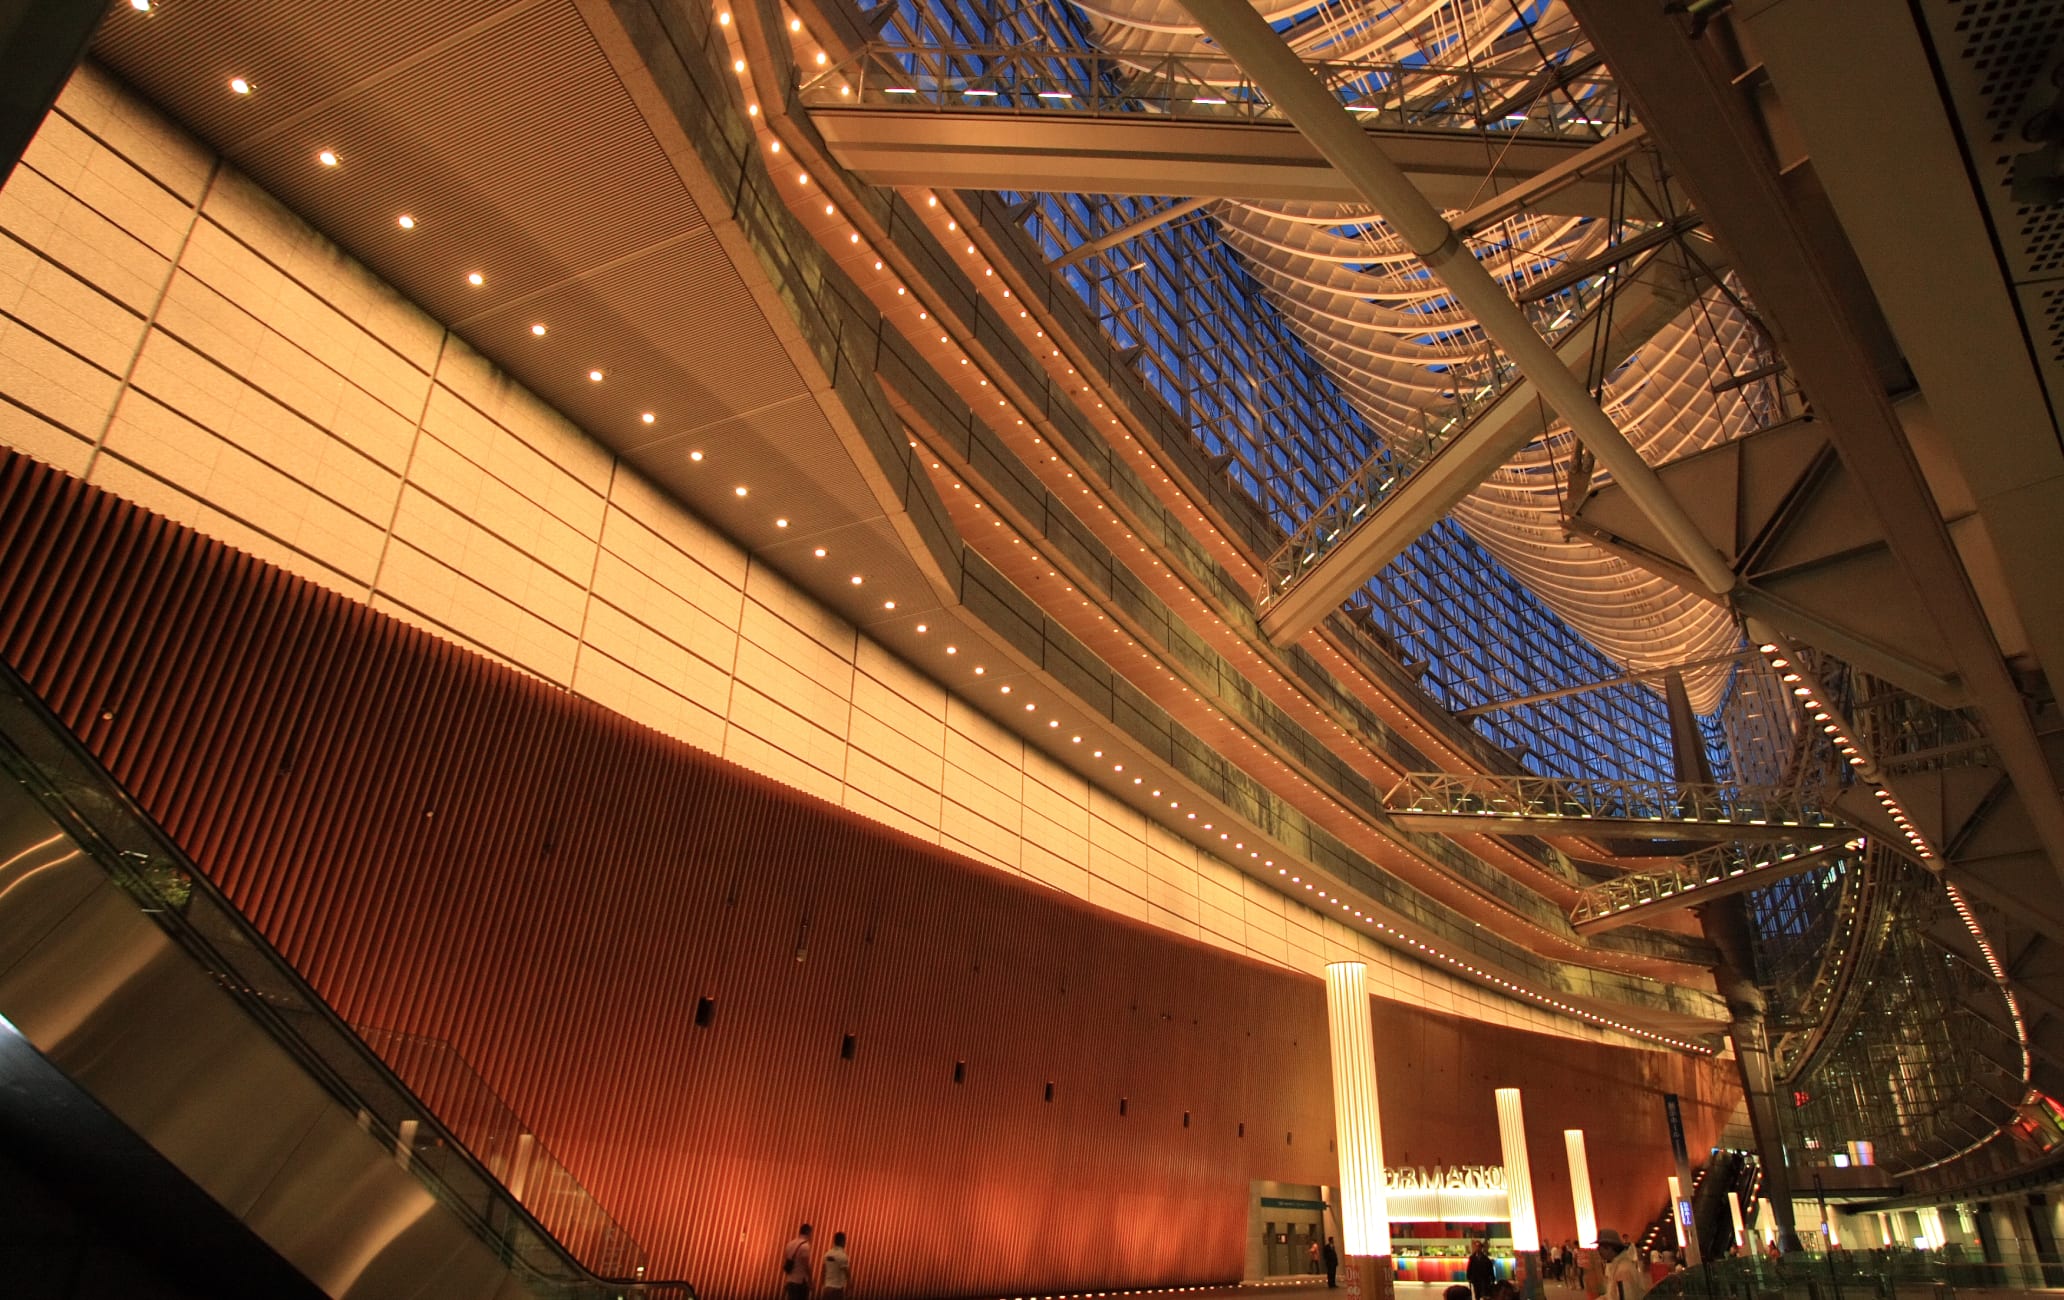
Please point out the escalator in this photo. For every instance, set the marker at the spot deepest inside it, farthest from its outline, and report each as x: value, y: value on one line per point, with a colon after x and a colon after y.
x: 179, y: 1107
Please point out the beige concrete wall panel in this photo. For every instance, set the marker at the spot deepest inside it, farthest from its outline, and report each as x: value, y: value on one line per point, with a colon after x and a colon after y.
x: 968, y: 765
x: 975, y: 825
x: 776, y: 595
x: 1037, y: 828
x: 552, y: 491
x: 975, y: 726
x: 547, y: 434
x: 651, y: 510
x: 623, y: 638
x: 908, y: 684
x: 890, y: 710
x: 295, y: 508
x: 919, y: 807
x: 147, y: 490
x: 748, y: 750
x: 611, y: 684
x: 466, y: 544
x: 216, y: 397
x: 784, y: 665
x: 88, y: 288
x: 866, y: 805
x: 1172, y: 897
x: 105, y: 109
x: 390, y: 323
x: 109, y: 184
x: 1114, y: 898
x: 308, y: 349
x: 1068, y: 875
x: 465, y: 485
x: 453, y: 600
x: 796, y: 734
x: 685, y: 575
x: 57, y: 385
x: 38, y: 437
x: 664, y: 615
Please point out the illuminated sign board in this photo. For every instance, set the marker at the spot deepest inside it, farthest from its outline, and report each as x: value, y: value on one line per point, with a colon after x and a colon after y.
x: 1447, y: 1194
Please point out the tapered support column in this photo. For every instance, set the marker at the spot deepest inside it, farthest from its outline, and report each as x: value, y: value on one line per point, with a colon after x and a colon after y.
x: 1580, y: 1188
x: 1358, y: 1131
x: 1519, y: 1192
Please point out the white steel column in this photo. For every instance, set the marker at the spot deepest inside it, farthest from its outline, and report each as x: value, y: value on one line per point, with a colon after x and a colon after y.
x: 1358, y: 1128
x: 1580, y: 1188
x: 1519, y: 1191
x: 1741, y: 1227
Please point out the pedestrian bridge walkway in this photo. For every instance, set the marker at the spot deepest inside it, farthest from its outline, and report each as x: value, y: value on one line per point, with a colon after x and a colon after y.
x: 1539, y: 805
x: 1697, y: 878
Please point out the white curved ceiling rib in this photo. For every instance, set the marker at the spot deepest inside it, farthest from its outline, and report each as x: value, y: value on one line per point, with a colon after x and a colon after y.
x: 1380, y: 326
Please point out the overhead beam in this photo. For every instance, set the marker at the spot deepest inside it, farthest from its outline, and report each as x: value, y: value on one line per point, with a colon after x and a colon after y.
x: 1076, y: 152
x: 1788, y: 257
x: 1243, y: 33
x: 1128, y: 232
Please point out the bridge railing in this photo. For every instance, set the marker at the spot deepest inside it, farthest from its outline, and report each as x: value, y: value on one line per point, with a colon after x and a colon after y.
x: 1576, y: 800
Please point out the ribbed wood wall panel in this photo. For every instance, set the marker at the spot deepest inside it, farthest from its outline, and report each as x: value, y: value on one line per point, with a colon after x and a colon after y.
x: 449, y: 848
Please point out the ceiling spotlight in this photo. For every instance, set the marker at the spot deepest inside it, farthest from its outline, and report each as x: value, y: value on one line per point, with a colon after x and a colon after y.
x: 594, y: 376
x: 856, y: 579
x: 327, y: 158
x: 739, y: 490
x: 239, y: 85
x: 140, y: 6
x: 405, y: 221
x: 888, y: 604
x: 819, y: 552
x: 648, y: 417
x: 695, y: 456
x: 781, y: 523
x: 795, y: 24
x: 475, y: 279
x: 538, y: 330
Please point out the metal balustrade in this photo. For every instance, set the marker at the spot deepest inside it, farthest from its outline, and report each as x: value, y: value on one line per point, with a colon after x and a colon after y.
x: 1019, y: 79
x: 1697, y: 878
x: 1534, y: 805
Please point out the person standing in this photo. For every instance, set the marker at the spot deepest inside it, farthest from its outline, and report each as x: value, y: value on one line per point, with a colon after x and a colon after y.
x: 795, y: 1266
x: 838, y: 1270
x: 1330, y: 1257
x: 1624, y: 1279
x: 1482, y: 1270
x: 1311, y: 1255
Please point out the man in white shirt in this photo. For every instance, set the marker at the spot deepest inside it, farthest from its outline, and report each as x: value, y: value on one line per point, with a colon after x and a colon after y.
x: 795, y: 1266
x: 838, y: 1270
x: 1625, y: 1279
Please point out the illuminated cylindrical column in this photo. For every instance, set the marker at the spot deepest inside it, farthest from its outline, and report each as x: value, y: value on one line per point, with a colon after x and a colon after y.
x: 1519, y: 1180
x: 1580, y: 1188
x: 1768, y: 1218
x: 1358, y: 1128
x: 1741, y: 1229
x: 1677, y: 1208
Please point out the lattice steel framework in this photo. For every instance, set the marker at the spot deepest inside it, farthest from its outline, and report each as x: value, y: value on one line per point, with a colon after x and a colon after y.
x: 1215, y: 345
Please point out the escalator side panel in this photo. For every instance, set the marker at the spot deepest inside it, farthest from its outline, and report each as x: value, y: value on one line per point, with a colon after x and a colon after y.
x: 110, y: 1001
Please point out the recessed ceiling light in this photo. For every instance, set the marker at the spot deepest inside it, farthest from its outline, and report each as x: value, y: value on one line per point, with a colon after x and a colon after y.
x: 327, y: 158
x: 476, y: 279
x: 405, y: 221
x: 781, y: 523
x: 140, y: 6
x: 239, y: 85
x: 822, y: 59
x: 648, y: 417
x: 888, y: 604
x: 795, y: 24
x: 922, y: 628
x: 738, y: 65
x: 752, y: 110
x: 538, y: 329
x: 739, y: 490
x: 953, y: 649
x: 594, y: 376
x: 819, y: 552
x: 856, y: 580
x: 724, y: 19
